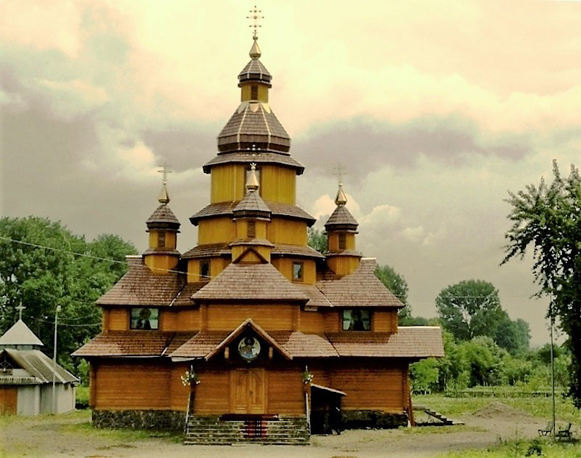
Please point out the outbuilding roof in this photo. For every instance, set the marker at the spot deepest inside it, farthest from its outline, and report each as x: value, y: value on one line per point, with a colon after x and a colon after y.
x: 39, y: 366
x: 20, y: 334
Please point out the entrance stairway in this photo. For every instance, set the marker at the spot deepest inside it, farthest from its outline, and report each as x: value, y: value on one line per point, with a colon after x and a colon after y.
x: 228, y: 431
x: 443, y: 420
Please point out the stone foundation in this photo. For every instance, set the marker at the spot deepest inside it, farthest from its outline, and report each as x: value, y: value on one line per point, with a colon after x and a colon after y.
x: 166, y: 420
x: 358, y: 419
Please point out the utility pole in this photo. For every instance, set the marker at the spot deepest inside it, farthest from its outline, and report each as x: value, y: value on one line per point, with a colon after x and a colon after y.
x: 56, y: 317
x: 553, y: 368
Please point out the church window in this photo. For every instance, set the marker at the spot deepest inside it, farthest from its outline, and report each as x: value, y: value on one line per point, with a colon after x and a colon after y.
x: 342, y: 241
x: 146, y: 318
x: 297, y: 271
x: 251, y: 229
x: 356, y: 320
x: 254, y: 92
x: 205, y: 269
x: 161, y: 239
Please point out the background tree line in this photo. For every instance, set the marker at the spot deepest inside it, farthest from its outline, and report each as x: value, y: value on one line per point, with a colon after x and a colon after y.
x: 43, y: 265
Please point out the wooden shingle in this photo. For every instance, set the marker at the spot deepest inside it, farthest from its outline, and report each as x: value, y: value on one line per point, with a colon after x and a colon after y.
x: 409, y: 342
x: 140, y: 287
x: 250, y: 282
x: 359, y: 289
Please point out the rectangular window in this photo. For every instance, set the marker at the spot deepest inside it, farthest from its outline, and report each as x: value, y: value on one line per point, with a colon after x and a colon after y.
x: 342, y: 241
x: 254, y: 92
x: 356, y: 320
x: 161, y: 239
x: 297, y: 271
x: 251, y: 229
x: 205, y: 269
x: 146, y: 318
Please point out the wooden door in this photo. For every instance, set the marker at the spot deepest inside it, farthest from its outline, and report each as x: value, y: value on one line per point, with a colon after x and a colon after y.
x: 248, y: 391
x: 8, y: 400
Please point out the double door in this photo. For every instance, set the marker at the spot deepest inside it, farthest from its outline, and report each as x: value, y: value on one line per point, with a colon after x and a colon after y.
x: 248, y: 391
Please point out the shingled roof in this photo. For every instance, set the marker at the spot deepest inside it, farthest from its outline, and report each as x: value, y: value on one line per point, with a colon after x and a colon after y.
x: 359, y: 289
x: 258, y: 157
x: 163, y: 217
x: 250, y: 282
x: 253, y: 125
x: 134, y: 343
x: 276, y: 208
x: 409, y: 342
x: 251, y: 205
x: 296, y: 250
x: 140, y: 287
x: 341, y: 217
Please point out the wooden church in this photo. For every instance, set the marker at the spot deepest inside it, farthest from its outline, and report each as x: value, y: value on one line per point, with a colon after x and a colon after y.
x: 251, y: 334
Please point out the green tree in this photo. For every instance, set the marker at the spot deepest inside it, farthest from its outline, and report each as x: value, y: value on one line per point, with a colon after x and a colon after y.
x: 43, y: 265
x: 547, y: 220
x: 317, y: 240
x: 398, y: 285
x: 470, y: 308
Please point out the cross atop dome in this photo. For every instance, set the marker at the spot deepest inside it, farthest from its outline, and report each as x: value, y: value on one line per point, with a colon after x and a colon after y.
x: 163, y: 197
x: 255, y: 16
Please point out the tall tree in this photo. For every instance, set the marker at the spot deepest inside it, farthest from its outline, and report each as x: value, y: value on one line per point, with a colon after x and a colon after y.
x: 398, y: 285
x: 470, y: 308
x: 43, y: 265
x: 547, y: 219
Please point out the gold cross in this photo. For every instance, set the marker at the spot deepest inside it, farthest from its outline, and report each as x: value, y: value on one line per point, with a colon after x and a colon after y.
x: 255, y: 16
x: 165, y: 170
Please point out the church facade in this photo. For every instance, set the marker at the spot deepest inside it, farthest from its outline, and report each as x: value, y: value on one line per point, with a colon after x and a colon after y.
x: 252, y: 334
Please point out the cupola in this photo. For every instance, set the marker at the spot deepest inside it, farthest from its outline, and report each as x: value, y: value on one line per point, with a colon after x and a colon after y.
x: 163, y: 227
x: 251, y: 216
x: 253, y: 127
x: 341, y: 228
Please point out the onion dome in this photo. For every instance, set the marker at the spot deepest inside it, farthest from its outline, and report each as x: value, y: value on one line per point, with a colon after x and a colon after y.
x: 163, y: 217
x: 255, y: 70
x: 341, y: 219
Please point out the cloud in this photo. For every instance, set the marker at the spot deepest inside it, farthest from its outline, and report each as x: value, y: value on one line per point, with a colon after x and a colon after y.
x: 367, y: 144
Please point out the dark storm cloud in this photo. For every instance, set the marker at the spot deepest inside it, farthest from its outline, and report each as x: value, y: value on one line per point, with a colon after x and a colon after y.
x: 366, y: 144
x: 183, y: 146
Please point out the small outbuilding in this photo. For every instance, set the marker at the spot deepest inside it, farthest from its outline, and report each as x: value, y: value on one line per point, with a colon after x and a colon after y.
x: 27, y: 374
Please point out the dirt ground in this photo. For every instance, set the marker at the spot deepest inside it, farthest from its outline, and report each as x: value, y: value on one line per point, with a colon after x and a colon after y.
x: 52, y: 437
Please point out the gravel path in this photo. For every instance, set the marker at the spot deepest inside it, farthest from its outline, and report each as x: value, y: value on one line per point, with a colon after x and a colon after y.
x: 54, y: 437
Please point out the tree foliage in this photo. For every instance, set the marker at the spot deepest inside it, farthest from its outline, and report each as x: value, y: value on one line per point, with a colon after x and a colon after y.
x: 547, y: 220
x: 317, y: 240
x: 398, y: 285
x: 43, y: 265
x: 471, y: 308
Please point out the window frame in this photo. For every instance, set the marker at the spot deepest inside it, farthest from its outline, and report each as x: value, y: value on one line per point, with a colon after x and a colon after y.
x: 366, y: 320
x: 161, y: 239
x: 205, y: 265
x: 251, y: 229
x: 152, y: 317
x: 300, y: 275
x: 342, y: 242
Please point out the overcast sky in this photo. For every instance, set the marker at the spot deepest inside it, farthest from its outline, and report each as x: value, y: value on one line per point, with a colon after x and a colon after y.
x: 435, y: 107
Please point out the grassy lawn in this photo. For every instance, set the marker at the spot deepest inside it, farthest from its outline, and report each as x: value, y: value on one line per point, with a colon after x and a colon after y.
x: 540, y: 407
